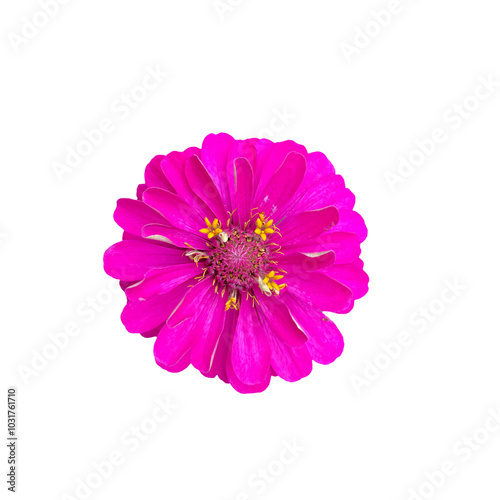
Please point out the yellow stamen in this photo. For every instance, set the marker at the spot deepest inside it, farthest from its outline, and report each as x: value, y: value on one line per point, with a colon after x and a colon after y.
x: 264, y: 226
x: 212, y: 229
x: 268, y: 283
x: 232, y: 304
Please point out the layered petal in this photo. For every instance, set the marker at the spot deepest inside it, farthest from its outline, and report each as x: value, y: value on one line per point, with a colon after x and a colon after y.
x: 132, y: 215
x: 307, y: 225
x: 130, y: 260
x: 144, y: 315
x: 251, y: 355
x: 321, y: 292
x: 298, y: 263
x: 243, y: 187
x: 158, y: 281
x: 282, y: 185
x: 346, y: 246
x: 352, y: 276
x: 214, y: 156
x: 280, y: 322
x: 154, y: 175
x: 325, y: 342
x: 179, y: 213
x: 172, y: 235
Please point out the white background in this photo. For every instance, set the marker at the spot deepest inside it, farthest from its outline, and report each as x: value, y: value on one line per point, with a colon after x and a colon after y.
x: 232, y: 72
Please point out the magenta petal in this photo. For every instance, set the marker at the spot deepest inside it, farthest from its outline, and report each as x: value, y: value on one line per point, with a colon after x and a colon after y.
x: 203, y: 185
x: 270, y: 157
x: 214, y: 155
x: 222, y: 354
x: 212, y: 324
x: 250, y: 356
x: 191, y: 302
x: 174, y: 236
x: 307, y: 225
x: 159, y: 281
x: 179, y: 213
x: 144, y: 315
x: 140, y: 189
x: 328, y: 190
x: 181, y: 365
x: 132, y: 215
x: 243, y: 388
x: 130, y: 260
x: 173, y: 167
x: 243, y: 188
x: 320, y: 291
x: 345, y: 245
x: 152, y: 333
x: 325, y: 342
x: 352, y: 276
x: 351, y: 222
x: 172, y: 344
x: 298, y: 263
x: 280, y: 321
x: 246, y: 150
x: 154, y: 175
x: 289, y: 363
x: 282, y: 185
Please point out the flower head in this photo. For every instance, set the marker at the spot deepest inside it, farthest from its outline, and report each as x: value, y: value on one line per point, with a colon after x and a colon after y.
x: 230, y: 255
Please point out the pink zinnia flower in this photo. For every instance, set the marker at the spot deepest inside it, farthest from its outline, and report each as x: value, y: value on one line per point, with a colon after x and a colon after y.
x: 230, y: 255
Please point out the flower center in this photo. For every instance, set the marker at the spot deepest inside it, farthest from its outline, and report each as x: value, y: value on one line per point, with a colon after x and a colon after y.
x: 238, y: 262
x: 237, y: 259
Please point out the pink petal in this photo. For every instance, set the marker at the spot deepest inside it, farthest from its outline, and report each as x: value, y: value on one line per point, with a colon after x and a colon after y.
x: 270, y: 157
x: 203, y: 185
x: 222, y: 352
x: 250, y: 356
x: 298, y: 263
x: 214, y: 156
x: 289, y: 363
x: 329, y: 190
x: 140, y: 189
x: 345, y: 245
x: 159, y: 281
x: 320, y: 291
x: 181, y: 365
x: 173, y: 167
x: 243, y: 188
x: 175, y: 209
x: 282, y: 185
x: 352, y: 276
x: 307, y: 225
x: 191, y: 302
x: 154, y: 175
x: 325, y: 342
x: 174, y: 236
x: 351, y: 222
x: 211, y: 327
x: 130, y: 260
x: 144, y: 315
x: 132, y: 215
x: 173, y: 344
x: 280, y: 321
